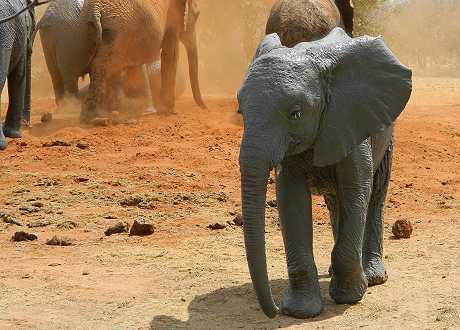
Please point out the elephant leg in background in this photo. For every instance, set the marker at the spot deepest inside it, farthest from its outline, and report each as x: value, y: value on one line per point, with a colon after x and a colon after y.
x: 334, y: 214
x: 302, y: 298
x: 155, y: 85
x: 94, y: 104
x: 373, y: 235
x: 354, y: 183
x: 28, y: 93
x: 66, y: 67
x: 17, y: 81
x: 169, y: 64
x: 5, y: 58
x: 49, y: 50
x: 113, y: 88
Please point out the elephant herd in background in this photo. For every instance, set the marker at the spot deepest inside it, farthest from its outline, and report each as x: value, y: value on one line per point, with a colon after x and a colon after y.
x: 129, y: 46
x: 318, y: 107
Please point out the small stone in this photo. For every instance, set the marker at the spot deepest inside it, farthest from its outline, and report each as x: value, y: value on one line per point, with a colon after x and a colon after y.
x: 238, y: 220
x: 38, y: 224
x: 131, y: 200
x: 37, y: 204
x: 56, y: 143
x: 141, y: 228
x: 9, y: 219
x: 82, y: 145
x: 68, y: 224
x: 59, y: 241
x: 120, y: 227
x: 272, y: 203
x: 22, y: 236
x: 402, y: 229
x: 85, y: 273
x: 28, y: 209
x: 46, y: 117
x: 217, y: 226
x: 222, y: 197
x: 81, y: 179
x: 110, y: 217
x: 54, y: 264
x: 100, y: 122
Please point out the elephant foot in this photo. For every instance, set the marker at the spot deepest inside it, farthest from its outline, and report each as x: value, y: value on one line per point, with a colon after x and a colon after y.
x: 301, y: 304
x: 375, y: 272
x: 12, y: 133
x: 302, y: 299
x: 3, y: 143
x: 348, y: 288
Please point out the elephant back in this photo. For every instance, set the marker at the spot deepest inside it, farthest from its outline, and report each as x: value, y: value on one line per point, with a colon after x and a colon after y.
x: 298, y: 21
x: 63, y: 13
x: 13, y: 33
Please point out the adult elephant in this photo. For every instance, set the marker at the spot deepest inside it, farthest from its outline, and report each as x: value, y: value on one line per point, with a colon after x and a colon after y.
x: 15, y: 64
x: 67, y: 53
x: 307, y: 20
x: 127, y: 34
x: 322, y: 114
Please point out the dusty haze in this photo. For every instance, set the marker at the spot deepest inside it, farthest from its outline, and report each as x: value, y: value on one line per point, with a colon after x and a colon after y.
x: 423, y: 33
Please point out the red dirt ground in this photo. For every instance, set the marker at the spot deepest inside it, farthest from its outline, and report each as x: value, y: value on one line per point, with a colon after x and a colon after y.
x: 185, y: 171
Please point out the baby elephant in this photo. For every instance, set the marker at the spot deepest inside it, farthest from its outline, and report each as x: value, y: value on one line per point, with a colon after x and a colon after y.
x: 320, y: 113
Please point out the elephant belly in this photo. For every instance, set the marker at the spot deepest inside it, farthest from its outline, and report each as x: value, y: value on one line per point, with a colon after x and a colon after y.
x: 321, y: 180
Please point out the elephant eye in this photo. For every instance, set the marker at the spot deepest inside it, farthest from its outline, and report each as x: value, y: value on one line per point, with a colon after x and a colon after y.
x: 296, y: 115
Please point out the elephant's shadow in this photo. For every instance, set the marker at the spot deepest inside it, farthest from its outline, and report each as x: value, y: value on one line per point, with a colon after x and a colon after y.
x: 237, y: 307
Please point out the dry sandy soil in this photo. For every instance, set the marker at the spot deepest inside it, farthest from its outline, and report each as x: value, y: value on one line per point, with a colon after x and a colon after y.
x: 184, y: 172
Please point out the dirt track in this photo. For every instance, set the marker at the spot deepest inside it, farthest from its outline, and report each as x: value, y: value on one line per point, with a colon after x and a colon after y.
x: 185, y: 169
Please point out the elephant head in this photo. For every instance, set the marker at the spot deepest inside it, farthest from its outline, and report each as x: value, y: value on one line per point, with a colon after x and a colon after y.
x: 183, y: 19
x: 326, y: 96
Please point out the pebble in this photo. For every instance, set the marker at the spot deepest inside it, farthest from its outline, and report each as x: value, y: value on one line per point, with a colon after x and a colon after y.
x: 217, y: 226
x: 141, y: 228
x: 120, y: 227
x: 22, y: 236
x: 59, y: 241
x: 402, y: 229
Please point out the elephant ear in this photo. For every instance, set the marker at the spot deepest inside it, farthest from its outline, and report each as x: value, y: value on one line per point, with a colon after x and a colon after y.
x: 367, y: 88
x: 270, y: 42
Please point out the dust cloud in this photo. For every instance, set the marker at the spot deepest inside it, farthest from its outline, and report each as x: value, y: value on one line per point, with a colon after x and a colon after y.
x: 423, y: 33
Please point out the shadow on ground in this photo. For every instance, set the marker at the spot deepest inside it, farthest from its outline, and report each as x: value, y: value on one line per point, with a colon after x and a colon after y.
x: 237, y: 307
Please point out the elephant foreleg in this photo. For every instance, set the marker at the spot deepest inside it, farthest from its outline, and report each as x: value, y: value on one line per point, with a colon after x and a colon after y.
x: 302, y: 298
x: 373, y: 235
x: 354, y: 183
x: 169, y: 61
x: 17, y: 90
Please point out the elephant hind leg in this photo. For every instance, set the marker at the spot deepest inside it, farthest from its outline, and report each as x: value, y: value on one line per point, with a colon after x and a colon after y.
x: 5, y: 55
x: 104, y: 87
x: 373, y: 235
x: 17, y: 92
x: 49, y: 50
x: 334, y: 215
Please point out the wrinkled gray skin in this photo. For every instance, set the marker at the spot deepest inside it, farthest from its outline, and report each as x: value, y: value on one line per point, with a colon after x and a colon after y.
x: 322, y: 115
x: 15, y: 65
x: 68, y: 53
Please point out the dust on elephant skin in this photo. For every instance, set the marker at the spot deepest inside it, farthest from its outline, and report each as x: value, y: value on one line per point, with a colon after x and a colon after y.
x: 129, y: 34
